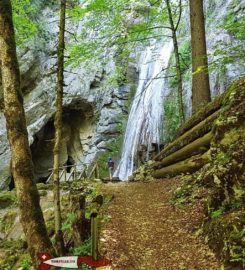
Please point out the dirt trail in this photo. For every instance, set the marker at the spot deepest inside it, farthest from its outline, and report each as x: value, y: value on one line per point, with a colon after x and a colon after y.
x: 146, y: 232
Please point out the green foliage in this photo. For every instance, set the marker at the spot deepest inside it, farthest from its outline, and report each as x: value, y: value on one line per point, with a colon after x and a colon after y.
x: 30, y: 23
x: 24, y: 262
x: 217, y: 213
x: 185, y: 55
x: 109, y: 26
x: 67, y: 224
x: 182, y: 195
x: 26, y: 265
x: 172, y: 119
x: 226, y: 53
x: 235, y: 25
x: 25, y: 27
x: 118, y: 77
x: 185, y: 63
x: 237, y: 253
x: 238, y: 201
x: 83, y: 250
x: 223, y: 158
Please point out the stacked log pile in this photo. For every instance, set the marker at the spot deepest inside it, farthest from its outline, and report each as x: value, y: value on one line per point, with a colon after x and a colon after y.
x: 190, y: 151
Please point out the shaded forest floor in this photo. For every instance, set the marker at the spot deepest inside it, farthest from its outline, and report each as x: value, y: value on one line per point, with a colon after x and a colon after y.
x: 145, y: 231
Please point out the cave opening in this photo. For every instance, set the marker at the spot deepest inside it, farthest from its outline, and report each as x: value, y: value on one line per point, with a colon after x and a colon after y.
x: 77, y: 128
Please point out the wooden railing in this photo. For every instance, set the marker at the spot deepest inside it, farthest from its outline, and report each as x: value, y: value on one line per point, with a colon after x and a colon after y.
x: 71, y: 173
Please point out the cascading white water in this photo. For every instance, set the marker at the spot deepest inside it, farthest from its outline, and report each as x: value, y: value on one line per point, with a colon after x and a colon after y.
x: 145, y: 118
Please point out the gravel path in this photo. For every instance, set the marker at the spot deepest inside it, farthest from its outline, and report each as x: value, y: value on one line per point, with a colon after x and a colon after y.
x: 145, y: 231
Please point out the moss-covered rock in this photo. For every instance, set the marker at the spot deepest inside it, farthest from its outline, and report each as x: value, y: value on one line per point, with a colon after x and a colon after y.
x: 10, y: 252
x: 42, y: 193
x: 42, y: 186
x: 7, y: 221
x: 143, y: 173
x: 7, y: 198
x: 225, y: 233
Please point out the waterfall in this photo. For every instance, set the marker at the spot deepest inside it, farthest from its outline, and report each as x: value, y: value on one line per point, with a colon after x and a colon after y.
x: 145, y: 118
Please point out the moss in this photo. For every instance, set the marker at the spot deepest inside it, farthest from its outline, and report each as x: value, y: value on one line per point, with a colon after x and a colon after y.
x: 7, y: 221
x: 223, y: 158
x: 217, y: 213
x: 202, y: 113
x: 50, y: 227
x: 225, y: 234
x: 42, y: 193
x: 10, y: 252
x: 42, y: 186
x: 7, y: 199
x: 24, y: 262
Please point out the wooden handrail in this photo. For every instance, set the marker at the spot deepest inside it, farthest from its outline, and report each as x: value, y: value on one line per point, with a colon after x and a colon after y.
x: 50, y: 177
x: 73, y: 172
x: 63, y: 167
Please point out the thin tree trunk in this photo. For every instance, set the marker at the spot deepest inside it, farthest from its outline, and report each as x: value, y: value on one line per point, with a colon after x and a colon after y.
x: 22, y: 167
x: 58, y: 129
x: 177, y: 60
x: 200, y: 76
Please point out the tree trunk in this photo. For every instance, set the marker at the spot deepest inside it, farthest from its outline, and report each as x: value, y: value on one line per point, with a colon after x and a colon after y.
x: 187, y: 166
x: 200, y: 77
x: 81, y: 226
x: 58, y: 129
x: 196, y: 132
x: 22, y: 166
x: 198, y: 146
x: 177, y: 60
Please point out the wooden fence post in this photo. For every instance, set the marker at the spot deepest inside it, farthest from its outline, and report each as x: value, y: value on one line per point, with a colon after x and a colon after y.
x: 94, y: 234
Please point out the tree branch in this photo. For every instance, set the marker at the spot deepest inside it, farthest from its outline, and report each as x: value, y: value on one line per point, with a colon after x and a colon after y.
x: 180, y: 15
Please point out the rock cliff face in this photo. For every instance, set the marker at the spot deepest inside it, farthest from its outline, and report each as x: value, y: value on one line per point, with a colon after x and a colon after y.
x: 93, y: 108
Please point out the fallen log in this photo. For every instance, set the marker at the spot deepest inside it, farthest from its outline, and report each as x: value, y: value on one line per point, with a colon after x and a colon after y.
x: 196, y: 132
x: 187, y: 166
x: 196, y: 147
x: 203, y: 113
